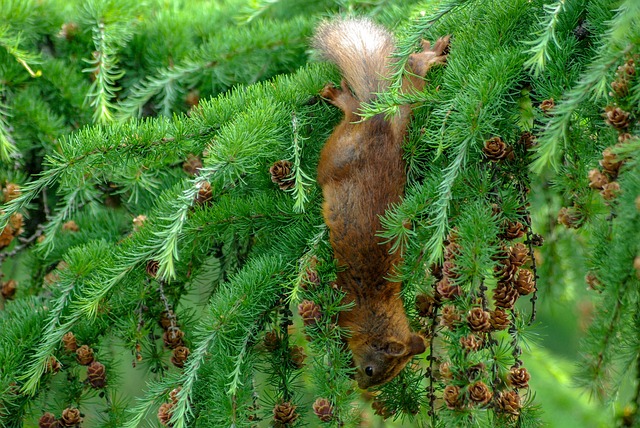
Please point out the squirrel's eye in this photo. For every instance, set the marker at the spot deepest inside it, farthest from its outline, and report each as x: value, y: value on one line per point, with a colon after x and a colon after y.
x: 369, y: 371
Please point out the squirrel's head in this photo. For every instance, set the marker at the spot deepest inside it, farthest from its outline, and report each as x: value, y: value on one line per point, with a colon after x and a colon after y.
x: 378, y: 362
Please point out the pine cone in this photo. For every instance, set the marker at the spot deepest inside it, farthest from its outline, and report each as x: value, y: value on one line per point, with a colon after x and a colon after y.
x: 425, y: 305
x: 381, y: 409
x: 451, y: 396
x: 48, y: 420
x: 505, y: 296
x: 570, y: 217
x: 310, y: 312
x: 96, y: 375
x: 509, y: 402
x: 471, y: 342
x: 512, y: 230
x: 271, y: 341
x: 449, y: 270
x: 444, y: 370
x: 528, y: 140
x: 495, y: 149
x: 610, y: 162
x: 166, y: 317
x: 480, y: 393
x: 173, y: 395
x: 69, y: 342
x: 68, y: 31
x: 518, y: 377
x: 475, y: 371
x: 13, y: 229
x: 10, y: 192
x: 205, y: 193
x: 53, y: 365
x: 70, y: 417
x: 192, y: 165
x: 446, y: 290
x: 138, y: 222
x: 499, y: 319
x: 180, y: 355
x: 152, y: 268
x: 478, y: 320
x: 323, y: 409
x: 610, y: 191
x: 616, y: 117
x: 597, y: 179
x: 619, y: 88
x: 284, y: 414
x: 524, y: 282
x: 518, y: 254
x: 628, y: 68
x: 172, y: 337
x: 537, y: 240
x: 505, y: 270
x: 547, y: 105
x: 70, y: 226
x: 450, y: 316
x: 164, y: 413
x: 9, y: 289
x: 281, y: 174
x: 297, y: 355
x: 84, y: 355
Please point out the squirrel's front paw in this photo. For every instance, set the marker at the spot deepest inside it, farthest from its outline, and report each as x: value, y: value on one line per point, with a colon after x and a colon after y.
x: 419, y: 63
x: 340, y: 97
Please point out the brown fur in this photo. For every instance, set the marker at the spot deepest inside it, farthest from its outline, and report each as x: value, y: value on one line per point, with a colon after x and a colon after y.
x: 362, y: 172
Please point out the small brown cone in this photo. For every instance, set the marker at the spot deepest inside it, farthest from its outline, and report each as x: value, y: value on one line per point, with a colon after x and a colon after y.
x: 70, y: 226
x: 509, y: 402
x: 478, y: 320
x: 610, y: 162
x: 446, y: 290
x: 518, y: 254
x: 425, y: 305
x: 173, y: 395
x: 271, y: 341
x: 570, y: 217
x: 495, y: 149
x: 84, y: 355
x: 528, y: 140
x: 10, y: 192
x: 524, y: 282
x: 297, y: 356
x: 380, y: 409
x: 48, y: 420
x: 53, y: 365
x: 499, y: 319
x: 475, y: 371
x: 172, y: 338
x: 505, y: 296
x: 449, y: 270
x: 616, y: 117
x: 512, y: 230
x: 164, y: 413
x: 281, y: 174
x: 179, y: 356
x: 205, y: 193
x: 450, y: 316
x: 451, y: 396
x: 471, y: 342
x: 323, y: 409
x: 9, y: 289
x: 69, y: 342
x: 480, y: 393
x: 610, y: 191
x: 138, y: 222
x: 518, y: 377
x: 70, y: 417
x: 444, y: 370
x: 97, y: 375
x: 192, y: 165
x: 310, y: 312
x: 597, y: 180
x: 166, y: 318
x: 284, y: 414
x: 152, y: 268
x: 547, y: 105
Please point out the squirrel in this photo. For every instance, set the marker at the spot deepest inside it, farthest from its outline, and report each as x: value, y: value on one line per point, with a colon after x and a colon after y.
x: 362, y: 173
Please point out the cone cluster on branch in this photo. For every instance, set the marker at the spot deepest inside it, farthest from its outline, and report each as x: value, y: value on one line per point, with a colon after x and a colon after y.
x: 281, y: 174
x: 70, y: 417
x: 12, y: 230
x: 166, y: 409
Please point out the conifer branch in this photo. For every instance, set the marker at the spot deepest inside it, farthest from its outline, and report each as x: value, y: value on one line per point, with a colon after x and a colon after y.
x: 7, y: 146
x: 11, y: 44
x: 539, y: 50
x: 301, y: 180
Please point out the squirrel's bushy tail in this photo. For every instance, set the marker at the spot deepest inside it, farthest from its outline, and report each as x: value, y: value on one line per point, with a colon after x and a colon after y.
x: 361, y: 49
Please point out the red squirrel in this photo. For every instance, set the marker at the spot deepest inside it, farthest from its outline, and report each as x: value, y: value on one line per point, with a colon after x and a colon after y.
x: 362, y: 172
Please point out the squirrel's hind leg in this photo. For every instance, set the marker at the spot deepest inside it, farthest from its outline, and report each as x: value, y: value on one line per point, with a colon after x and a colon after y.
x: 341, y: 98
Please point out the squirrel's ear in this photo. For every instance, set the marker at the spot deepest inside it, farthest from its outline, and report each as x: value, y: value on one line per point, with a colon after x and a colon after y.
x: 395, y: 348
x: 417, y: 345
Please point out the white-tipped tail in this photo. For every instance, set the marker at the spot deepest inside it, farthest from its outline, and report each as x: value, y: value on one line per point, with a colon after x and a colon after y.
x: 361, y: 49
